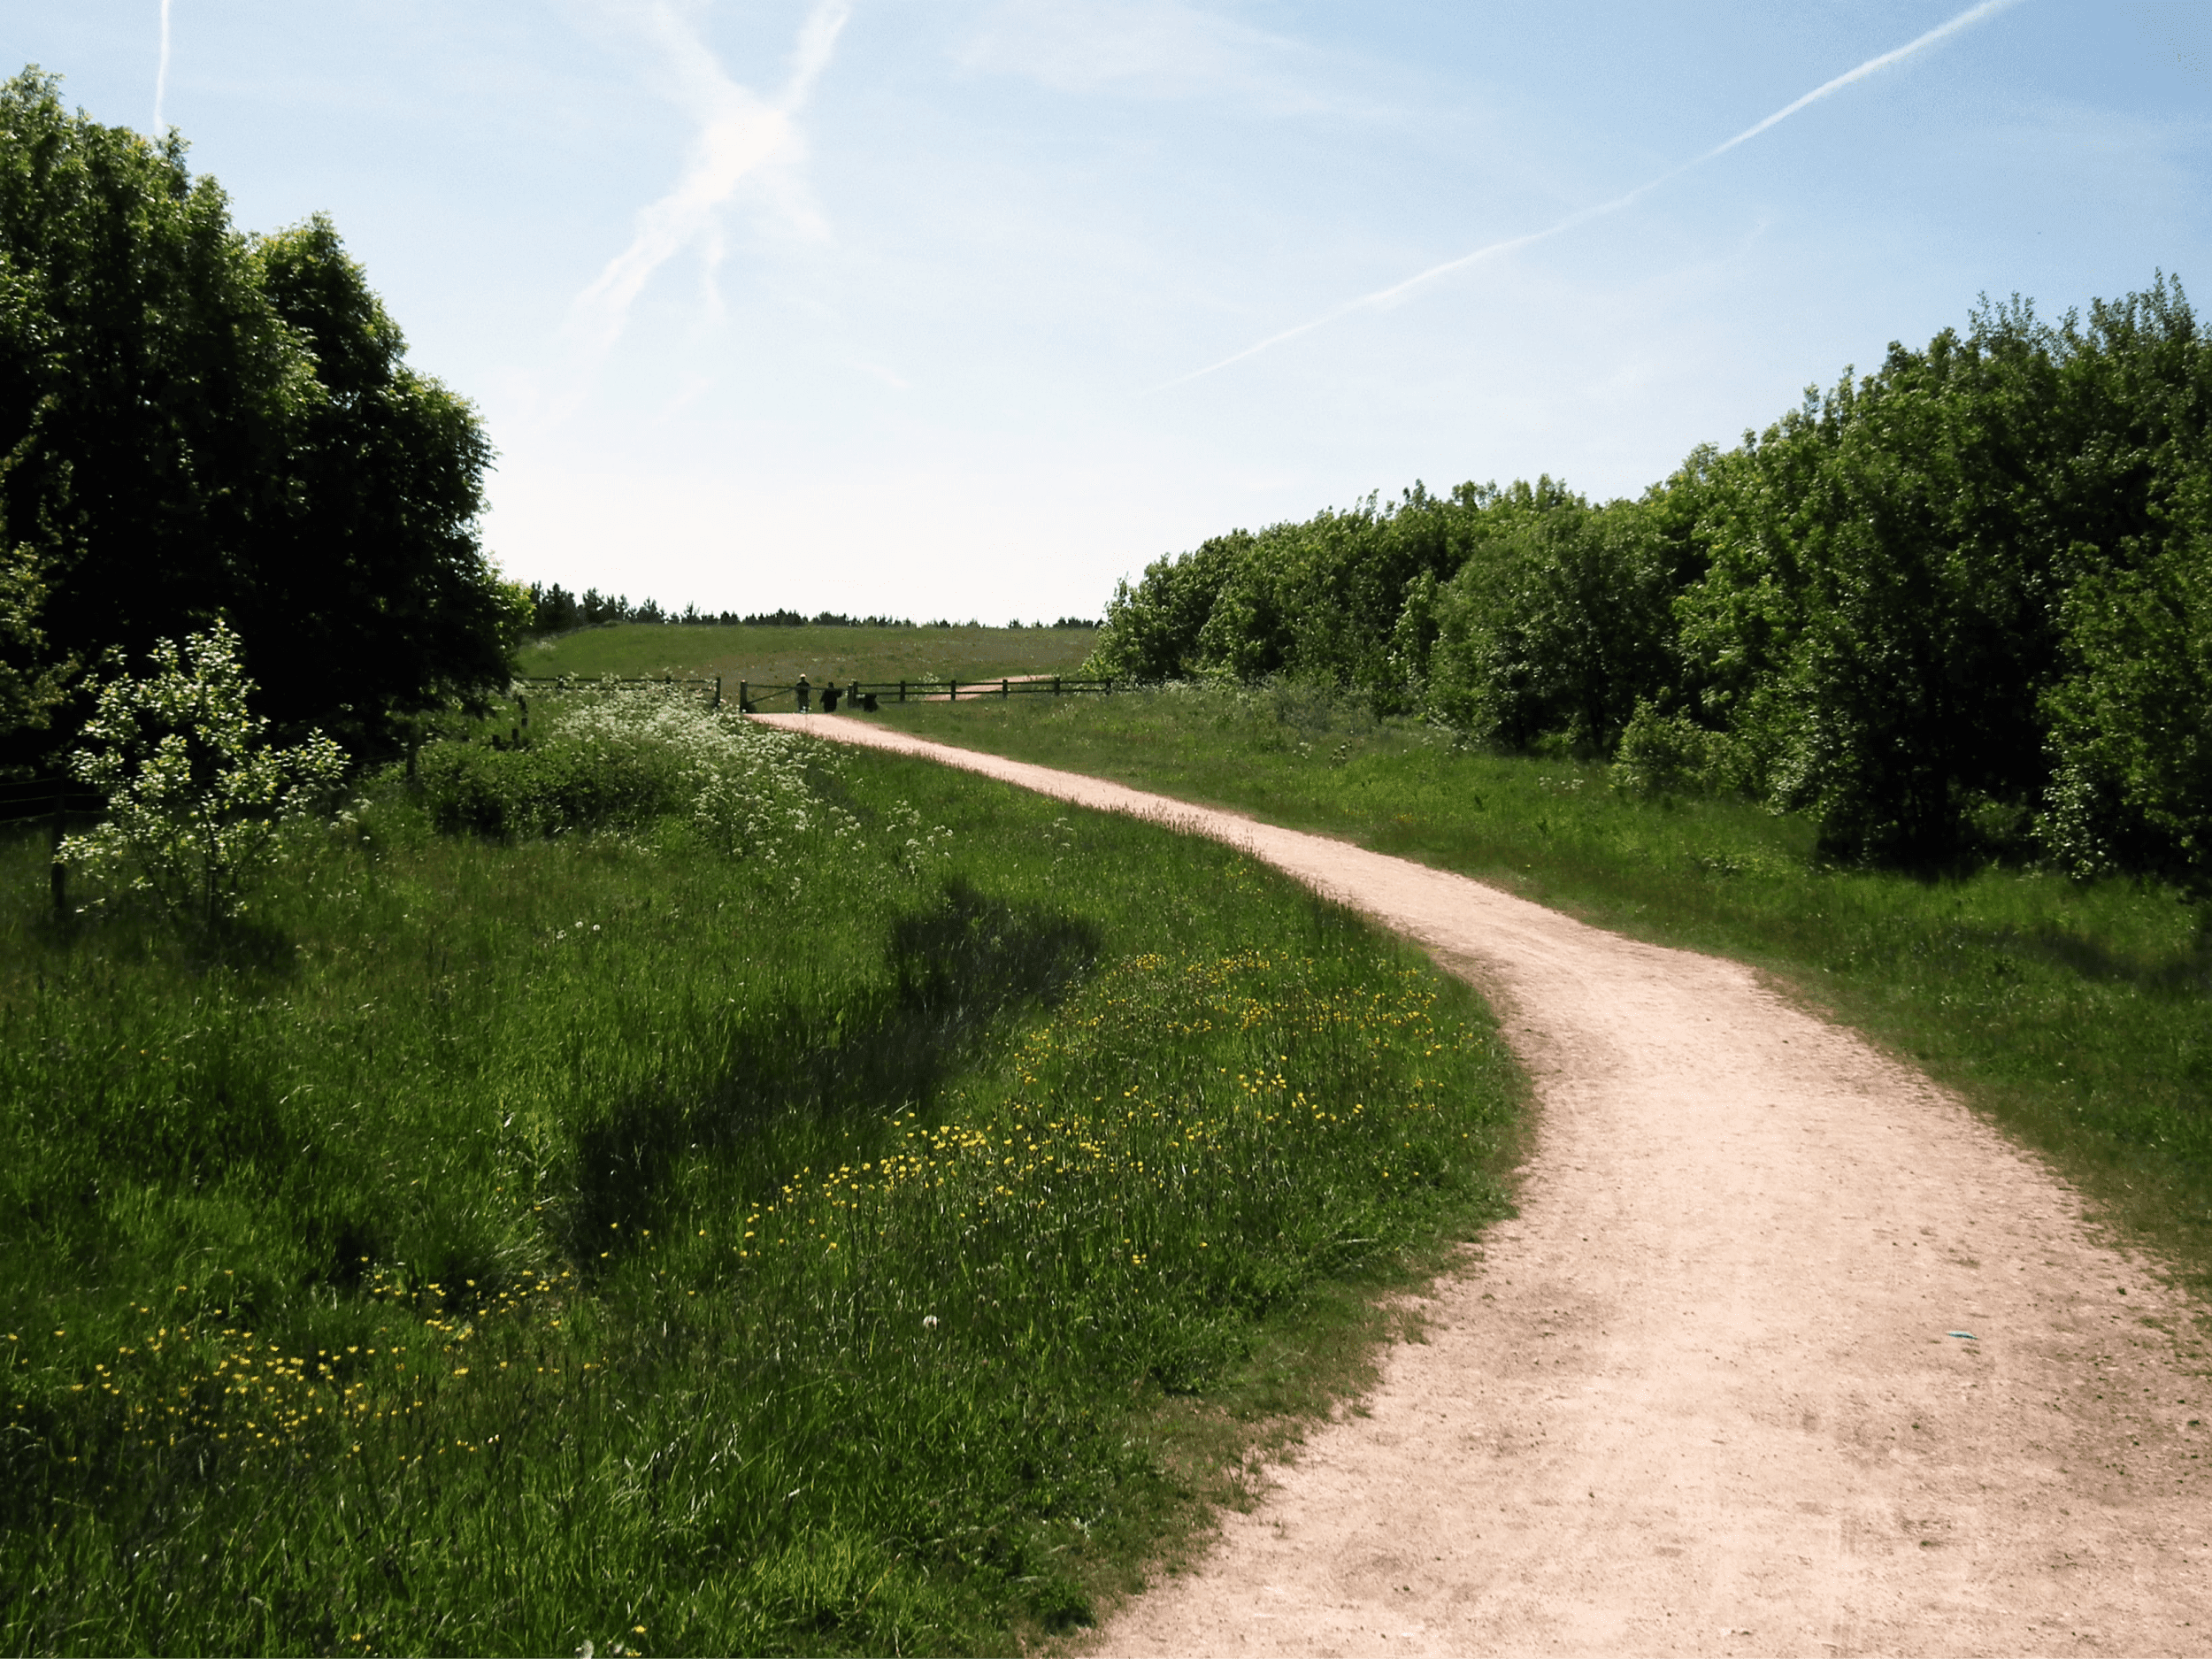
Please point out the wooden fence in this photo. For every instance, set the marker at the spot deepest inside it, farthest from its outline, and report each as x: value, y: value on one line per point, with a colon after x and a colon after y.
x: 833, y: 696
x: 848, y: 695
x: 57, y: 799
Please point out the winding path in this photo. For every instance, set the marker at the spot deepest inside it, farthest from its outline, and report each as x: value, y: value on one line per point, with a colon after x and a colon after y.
x: 1707, y: 1392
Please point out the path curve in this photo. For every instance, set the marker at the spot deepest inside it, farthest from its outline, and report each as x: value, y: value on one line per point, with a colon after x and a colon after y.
x: 1701, y: 1396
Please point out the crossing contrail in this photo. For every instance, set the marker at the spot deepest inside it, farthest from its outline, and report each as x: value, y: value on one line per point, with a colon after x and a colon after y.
x: 1582, y: 216
x: 740, y: 133
x: 161, y: 71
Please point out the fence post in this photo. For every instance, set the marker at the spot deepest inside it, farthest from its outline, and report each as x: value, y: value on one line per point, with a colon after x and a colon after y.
x: 744, y: 696
x: 952, y: 691
x: 1002, y: 688
x: 902, y: 691
x: 58, y: 879
x: 718, y: 691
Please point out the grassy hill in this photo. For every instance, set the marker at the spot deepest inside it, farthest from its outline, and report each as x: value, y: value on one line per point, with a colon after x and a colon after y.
x: 778, y: 656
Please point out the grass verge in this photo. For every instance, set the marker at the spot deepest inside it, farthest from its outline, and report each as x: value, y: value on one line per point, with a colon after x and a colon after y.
x: 2075, y: 1015
x: 603, y: 1238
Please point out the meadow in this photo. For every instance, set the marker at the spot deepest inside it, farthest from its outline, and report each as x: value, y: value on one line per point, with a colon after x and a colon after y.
x: 745, y: 1198
x: 2076, y: 1014
x: 777, y: 656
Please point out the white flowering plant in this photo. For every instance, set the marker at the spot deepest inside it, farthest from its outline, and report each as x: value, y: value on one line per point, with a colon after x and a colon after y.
x: 197, y: 797
x: 618, y: 756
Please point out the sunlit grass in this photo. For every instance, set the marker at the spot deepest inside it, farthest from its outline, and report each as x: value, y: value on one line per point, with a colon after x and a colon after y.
x: 611, y: 1238
x: 780, y: 656
x: 2080, y: 1016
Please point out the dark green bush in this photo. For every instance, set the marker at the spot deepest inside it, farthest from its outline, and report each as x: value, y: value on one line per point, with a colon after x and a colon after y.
x: 517, y: 793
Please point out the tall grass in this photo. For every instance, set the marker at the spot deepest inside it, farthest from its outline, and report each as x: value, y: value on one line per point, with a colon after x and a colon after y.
x: 2078, y: 1014
x: 618, y: 1237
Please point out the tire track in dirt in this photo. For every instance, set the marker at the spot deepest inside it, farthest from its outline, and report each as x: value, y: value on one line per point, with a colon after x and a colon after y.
x: 1702, y: 1395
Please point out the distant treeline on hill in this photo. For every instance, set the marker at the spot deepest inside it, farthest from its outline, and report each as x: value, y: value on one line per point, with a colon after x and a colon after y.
x: 1960, y: 607
x: 556, y: 611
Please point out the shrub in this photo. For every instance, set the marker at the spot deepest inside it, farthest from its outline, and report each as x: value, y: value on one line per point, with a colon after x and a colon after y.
x: 196, y: 798
x: 1665, y: 754
x: 2131, y: 728
x: 621, y: 757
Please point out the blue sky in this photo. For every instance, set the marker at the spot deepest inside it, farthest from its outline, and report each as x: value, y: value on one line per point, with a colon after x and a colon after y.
x: 879, y: 305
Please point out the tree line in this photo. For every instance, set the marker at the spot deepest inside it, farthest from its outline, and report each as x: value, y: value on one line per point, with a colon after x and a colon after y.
x: 201, y: 424
x: 554, y: 609
x: 1958, y: 608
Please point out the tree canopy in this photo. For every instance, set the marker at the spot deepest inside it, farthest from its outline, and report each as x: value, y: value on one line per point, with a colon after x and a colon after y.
x: 1961, y: 606
x: 200, y: 423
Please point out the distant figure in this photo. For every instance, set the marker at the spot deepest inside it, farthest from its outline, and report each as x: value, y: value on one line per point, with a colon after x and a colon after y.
x: 868, y: 701
x: 829, y: 694
x: 805, y: 692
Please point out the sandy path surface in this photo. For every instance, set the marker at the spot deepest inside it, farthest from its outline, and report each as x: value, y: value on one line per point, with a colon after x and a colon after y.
x: 1701, y: 1396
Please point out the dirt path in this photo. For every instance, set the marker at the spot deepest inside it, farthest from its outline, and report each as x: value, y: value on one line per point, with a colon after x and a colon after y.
x: 1702, y: 1396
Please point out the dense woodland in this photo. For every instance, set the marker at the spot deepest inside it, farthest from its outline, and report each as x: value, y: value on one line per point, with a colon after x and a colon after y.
x: 199, y: 423
x: 1958, y: 608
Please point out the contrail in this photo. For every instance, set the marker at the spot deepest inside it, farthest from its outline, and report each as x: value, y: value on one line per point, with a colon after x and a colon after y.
x: 739, y: 132
x: 1583, y: 215
x: 161, y: 72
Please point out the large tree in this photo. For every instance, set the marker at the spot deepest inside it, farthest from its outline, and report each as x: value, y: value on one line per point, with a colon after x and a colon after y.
x: 205, y: 424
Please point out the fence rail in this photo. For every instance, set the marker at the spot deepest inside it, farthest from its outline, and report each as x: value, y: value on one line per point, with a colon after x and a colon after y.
x: 870, y: 693
x: 755, y: 698
x: 24, y: 798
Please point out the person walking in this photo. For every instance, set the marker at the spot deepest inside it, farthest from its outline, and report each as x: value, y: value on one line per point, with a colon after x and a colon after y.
x: 805, y: 692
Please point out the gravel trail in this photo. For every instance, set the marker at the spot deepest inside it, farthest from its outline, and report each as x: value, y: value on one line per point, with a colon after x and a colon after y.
x: 1707, y: 1394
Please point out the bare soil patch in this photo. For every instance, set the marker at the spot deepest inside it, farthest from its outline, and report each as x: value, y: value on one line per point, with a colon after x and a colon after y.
x: 1708, y: 1393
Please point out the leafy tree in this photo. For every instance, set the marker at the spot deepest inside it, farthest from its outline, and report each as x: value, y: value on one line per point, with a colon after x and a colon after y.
x: 1152, y: 629
x: 209, y: 423
x: 1882, y: 615
x: 1956, y: 607
x: 2131, y: 728
x: 2130, y: 719
x: 553, y: 609
x: 1557, y: 623
x: 31, y: 682
x: 372, y: 579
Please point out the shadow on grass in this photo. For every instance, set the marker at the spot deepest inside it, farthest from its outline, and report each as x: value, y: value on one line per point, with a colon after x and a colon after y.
x: 956, y: 970
x: 2182, y: 974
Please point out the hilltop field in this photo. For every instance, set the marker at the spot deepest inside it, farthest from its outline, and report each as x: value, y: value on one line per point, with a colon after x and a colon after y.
x: 775, y: 655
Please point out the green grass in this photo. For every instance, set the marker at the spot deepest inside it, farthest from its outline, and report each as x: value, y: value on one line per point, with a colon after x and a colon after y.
x: 780, y: 656
x: 2079, y: 1016
x: 603, y: 1238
